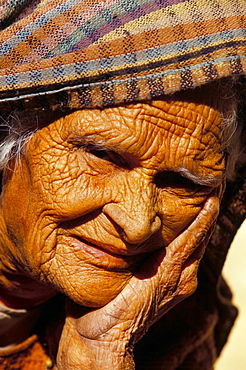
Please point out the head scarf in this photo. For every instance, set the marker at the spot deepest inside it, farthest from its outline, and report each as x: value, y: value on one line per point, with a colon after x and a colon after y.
x: 92, y: 53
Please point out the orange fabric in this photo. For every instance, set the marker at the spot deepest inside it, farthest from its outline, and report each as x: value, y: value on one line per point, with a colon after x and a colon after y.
x: 29, y: 355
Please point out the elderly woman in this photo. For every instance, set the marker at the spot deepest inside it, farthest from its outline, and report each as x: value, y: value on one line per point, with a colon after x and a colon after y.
x: 118, y: 134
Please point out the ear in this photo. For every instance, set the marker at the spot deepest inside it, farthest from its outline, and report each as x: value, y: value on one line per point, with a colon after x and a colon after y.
x: 1, y: 181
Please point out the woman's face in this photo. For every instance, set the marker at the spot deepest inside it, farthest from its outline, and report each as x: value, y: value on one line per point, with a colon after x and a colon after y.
x: 97, y: 191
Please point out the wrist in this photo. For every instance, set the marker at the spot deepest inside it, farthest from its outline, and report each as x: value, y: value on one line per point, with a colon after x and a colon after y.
x: 92, y: 354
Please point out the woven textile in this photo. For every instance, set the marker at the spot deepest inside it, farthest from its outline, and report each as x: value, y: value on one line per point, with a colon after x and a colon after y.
x: 86, y: 53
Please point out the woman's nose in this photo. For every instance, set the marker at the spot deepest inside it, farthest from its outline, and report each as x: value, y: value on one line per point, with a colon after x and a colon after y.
x: 137, y: 225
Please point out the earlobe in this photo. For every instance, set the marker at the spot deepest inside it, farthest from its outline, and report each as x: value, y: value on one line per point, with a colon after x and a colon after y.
x: 6, y: 249
x: 2, y: 223
x: 221, y: 189
x: 7, y: 174
x: 1, y: 181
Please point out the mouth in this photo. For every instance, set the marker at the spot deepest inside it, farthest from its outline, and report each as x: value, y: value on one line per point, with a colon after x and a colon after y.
x: 101, y: 258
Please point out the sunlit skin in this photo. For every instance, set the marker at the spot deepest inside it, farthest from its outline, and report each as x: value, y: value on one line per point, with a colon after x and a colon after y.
x: 97, y: 192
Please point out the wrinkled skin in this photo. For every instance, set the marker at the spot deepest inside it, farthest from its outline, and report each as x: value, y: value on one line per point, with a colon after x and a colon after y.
x: 114, y: 208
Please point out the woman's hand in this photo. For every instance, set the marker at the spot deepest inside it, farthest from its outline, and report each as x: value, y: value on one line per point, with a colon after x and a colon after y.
x: 104, y: 338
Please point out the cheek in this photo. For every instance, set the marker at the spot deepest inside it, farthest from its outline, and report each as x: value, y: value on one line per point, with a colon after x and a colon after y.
x: 69, y: 187
x: 176, y: 213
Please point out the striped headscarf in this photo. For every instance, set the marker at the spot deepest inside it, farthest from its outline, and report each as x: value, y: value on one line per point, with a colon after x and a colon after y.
x: 88, y: 53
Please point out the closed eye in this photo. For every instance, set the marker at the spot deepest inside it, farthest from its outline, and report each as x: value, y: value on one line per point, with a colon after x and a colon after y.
x: 172, y: 179
x: 107, y: 155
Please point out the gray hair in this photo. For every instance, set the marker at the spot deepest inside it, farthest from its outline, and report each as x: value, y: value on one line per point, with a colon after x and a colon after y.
x: 18, y: 129
x: 16, y: 134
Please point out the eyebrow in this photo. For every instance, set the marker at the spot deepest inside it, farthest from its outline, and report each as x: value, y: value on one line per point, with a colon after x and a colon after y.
x: 96, y: 142
x: 209, y: 180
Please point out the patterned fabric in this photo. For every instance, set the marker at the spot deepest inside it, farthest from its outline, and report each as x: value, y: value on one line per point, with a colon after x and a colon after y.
x: 86, y: 53
x: 29, y: 355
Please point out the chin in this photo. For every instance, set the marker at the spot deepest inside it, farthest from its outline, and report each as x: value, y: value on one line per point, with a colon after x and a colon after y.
x: 94, y: 289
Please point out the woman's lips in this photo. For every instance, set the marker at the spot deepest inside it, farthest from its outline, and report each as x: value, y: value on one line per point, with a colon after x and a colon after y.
x: 104, y: 259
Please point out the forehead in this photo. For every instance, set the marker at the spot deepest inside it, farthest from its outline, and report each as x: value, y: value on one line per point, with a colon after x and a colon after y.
x: 161, y: 118
x: 172, y: 132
